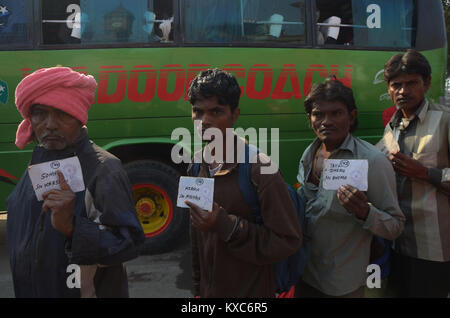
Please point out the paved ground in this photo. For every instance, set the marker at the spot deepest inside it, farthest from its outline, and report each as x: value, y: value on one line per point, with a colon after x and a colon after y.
x: 6, y: 289
x: 166, y: 275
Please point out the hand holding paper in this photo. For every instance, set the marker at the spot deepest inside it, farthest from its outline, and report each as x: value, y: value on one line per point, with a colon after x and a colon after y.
x: 201, y: 219
x: 339, y: 172
x: 196, y: 190
x: 61, y: 204
x: 198, y: 194
x: 354, y: 201
x: 44, y: 178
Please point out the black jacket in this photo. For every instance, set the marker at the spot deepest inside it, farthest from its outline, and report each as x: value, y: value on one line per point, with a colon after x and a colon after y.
x: 106, y: 230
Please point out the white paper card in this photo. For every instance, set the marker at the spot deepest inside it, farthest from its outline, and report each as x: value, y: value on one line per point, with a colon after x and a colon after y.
x: 44, y: 176
x: 339, y: 172
x: 196, y: 190
x: 388, y: 144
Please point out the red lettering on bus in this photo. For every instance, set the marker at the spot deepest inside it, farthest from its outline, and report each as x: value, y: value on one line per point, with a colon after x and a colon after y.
x: 80, y: 69
x: 178, y: 91
x: 323, y: 72
x: 264, y: 92
x: 149, y: 75
x: 239, y: 72
x: 26, y: 72
x: 103, y: 82
x: 287, y: 72
x: 192, y: 71
x: 348, y: 75
x: 112, y: 81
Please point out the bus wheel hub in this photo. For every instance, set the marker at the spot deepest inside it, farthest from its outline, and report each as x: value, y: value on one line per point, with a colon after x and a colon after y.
x: 145, y: 207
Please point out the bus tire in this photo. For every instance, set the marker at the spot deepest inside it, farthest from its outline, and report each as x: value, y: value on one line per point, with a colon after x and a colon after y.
x: 155, y: 188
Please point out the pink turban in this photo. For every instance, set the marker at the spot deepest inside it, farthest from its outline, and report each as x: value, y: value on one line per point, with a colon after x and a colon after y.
x: 58, y: 87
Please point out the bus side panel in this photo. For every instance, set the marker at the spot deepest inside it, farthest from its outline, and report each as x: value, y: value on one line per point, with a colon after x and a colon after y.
x: 142, y: 91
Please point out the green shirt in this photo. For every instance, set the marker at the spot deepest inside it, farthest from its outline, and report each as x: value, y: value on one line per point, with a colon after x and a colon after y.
x: 340, y: 242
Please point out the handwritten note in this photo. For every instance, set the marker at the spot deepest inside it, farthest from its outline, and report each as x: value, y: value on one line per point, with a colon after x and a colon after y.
x: 196, y: 190
x: 338, y: 172
x: 44, y: 176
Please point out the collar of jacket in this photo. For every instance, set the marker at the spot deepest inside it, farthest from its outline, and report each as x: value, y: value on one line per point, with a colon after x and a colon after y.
x: 420, y: 113
x: 227, y: 167
x: 347, y: 144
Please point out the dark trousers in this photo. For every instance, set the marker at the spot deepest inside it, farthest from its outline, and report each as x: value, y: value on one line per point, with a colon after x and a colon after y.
x: 303, y: 290
x: 413, y: 277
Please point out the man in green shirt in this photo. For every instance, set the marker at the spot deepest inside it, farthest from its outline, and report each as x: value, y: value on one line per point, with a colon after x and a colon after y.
x: 341, y: 222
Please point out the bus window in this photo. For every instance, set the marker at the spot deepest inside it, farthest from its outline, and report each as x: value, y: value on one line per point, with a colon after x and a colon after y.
x: 280, y: 21
x: 15, y: 22
x: 57, y: 25
x: 106, y: 21
x: 244, y: 21
x: 366, y: 23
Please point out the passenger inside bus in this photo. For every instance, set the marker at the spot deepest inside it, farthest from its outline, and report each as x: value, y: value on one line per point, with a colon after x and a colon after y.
x: 280, y: 21
x: 106, y: 21
x: 163, y: 21
x: 334, y: 22
x: 330, y: 29
x: 58, y: 17
x: 375, y: 23
x: 118, y: 24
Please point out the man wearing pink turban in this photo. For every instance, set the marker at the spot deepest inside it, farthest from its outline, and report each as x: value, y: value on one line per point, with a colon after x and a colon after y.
x: 68, y: 244
x: 58, y: 87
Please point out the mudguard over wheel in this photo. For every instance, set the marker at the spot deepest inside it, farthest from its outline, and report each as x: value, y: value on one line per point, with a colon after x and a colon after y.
x: 155, y: 188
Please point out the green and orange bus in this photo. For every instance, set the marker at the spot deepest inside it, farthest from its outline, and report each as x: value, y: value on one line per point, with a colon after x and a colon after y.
x: 144, y: 53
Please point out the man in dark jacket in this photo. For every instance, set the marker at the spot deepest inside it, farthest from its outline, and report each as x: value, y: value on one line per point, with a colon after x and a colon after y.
x: 233, y: 255
x: 68, y: 244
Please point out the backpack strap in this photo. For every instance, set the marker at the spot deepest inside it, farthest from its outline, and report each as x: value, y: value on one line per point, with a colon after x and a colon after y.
x: 246, y: 186
x: 195, y: 169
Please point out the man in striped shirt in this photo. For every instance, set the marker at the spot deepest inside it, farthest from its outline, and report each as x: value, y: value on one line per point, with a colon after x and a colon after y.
x: 421, y: 261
